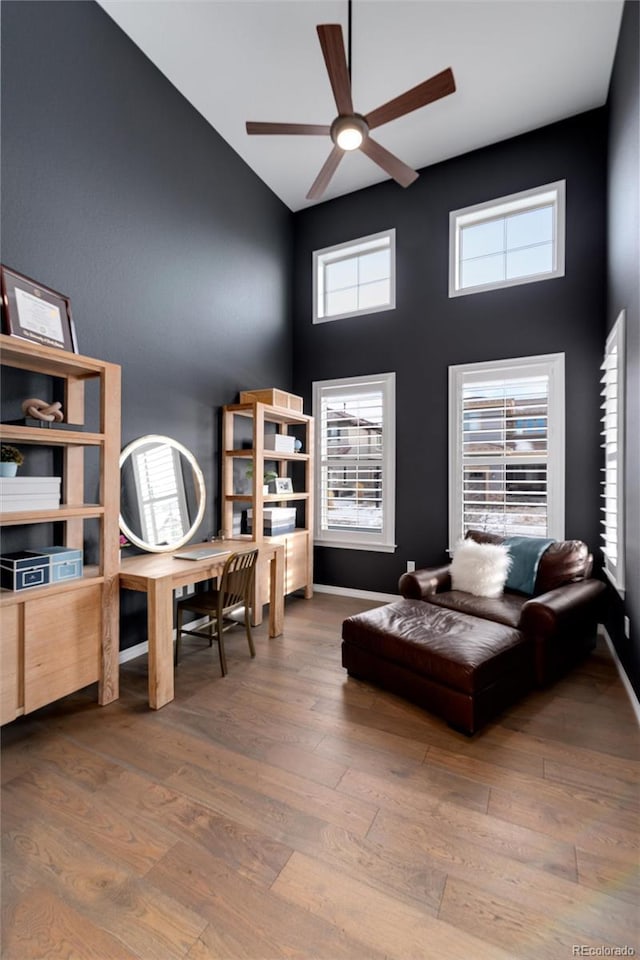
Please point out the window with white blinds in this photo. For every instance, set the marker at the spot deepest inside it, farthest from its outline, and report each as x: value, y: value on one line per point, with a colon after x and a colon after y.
x: 612, y: 522
x: 507, y: 447
x: 355, y: 462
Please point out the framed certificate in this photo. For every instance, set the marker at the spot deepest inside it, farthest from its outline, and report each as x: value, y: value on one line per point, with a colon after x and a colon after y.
x: 32, y: 311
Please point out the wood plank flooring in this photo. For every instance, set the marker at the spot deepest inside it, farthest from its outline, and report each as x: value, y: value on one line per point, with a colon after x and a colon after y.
x: 287, y: 811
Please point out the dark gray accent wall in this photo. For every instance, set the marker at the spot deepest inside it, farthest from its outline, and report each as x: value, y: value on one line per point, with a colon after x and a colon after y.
x: 623, y: 276
x: 428, y: 331
x: 176, y: 257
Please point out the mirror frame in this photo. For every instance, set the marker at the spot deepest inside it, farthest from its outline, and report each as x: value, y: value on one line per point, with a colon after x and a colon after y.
x: 201, y: 492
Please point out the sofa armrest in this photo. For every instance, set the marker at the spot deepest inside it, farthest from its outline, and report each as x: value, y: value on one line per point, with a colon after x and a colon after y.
x: 562, y: 624
x: 424, y: 583
x: 557, y: 609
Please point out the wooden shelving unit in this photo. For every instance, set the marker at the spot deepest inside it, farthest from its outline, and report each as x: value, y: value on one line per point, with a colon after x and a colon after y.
x: 254, y: 419
x: 61, y: 637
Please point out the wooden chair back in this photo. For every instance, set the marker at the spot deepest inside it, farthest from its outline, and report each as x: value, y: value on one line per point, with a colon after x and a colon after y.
x: 236, y: 583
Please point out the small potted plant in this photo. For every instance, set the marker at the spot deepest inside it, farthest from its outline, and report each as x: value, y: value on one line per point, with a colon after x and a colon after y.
x: 10, y: 459
x: 269, y: 477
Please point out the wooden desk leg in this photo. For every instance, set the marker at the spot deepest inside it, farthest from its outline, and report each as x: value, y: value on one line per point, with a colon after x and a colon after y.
x: 276, y: 594
x: 160, y: 634
x: 256, y: 605
x: 109, y: 683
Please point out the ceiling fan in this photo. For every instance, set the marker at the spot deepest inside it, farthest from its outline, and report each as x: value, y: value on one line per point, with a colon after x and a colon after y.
x: 350, y: 130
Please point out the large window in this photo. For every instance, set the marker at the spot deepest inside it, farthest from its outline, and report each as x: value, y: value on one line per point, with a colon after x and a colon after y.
x: 500, y: 243
x: 355, y: 457
x: 355, y: 277
x: 613, y: 442
x: 506, y: 447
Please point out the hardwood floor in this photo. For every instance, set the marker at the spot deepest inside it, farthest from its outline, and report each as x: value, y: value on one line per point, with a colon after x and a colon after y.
x: 286, y: 811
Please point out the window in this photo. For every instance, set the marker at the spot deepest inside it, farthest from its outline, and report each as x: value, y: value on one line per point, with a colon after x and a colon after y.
x: 506, y: 447
x: 500, y: 243
x: 355, y: 457
x: 355, y: 277
x: 613, y: 443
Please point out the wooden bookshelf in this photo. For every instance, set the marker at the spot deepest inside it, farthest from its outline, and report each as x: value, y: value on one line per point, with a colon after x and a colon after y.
x: 260, y: 418
x: 61, y: 637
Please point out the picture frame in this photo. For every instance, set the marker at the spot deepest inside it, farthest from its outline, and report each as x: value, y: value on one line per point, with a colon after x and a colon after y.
x: 32, y: 311
x: 284, y: 485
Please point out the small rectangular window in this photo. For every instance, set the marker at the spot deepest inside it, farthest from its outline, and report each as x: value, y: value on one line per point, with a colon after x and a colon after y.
x: 355, y: 456
x: 612, y: 495
x: 513, y: 240
x: 354, y: 278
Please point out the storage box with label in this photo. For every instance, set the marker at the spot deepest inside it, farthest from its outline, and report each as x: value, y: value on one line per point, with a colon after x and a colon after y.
x: 65, y: 563
x: 280, y: 442
x: 276, y: 520
x: 23, y: 569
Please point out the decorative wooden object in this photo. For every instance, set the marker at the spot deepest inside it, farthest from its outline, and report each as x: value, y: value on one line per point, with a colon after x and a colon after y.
x: 41, y: 410
x: 61, y: 637
x: 298, y: 544
x: 273, y: 397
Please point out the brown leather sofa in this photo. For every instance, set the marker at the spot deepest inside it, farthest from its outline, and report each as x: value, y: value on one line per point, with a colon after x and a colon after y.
x: 466, y: 657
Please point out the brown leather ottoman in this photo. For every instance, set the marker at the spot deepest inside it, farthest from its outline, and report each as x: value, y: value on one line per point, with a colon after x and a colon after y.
x: 461, y: 667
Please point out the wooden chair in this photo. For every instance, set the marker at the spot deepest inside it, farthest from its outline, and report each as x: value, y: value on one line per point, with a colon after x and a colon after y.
x: 235, y: 591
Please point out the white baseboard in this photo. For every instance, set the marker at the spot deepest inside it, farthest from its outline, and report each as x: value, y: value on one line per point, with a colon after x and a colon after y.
x: 348, y: 592
x: 623, y: 674
x: 131, y: 653
x: 139, y: 649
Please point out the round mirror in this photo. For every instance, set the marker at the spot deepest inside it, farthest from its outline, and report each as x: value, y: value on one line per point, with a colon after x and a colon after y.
x: 162, y: 494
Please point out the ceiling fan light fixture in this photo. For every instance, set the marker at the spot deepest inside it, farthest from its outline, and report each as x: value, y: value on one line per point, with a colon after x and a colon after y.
x: 348, y: 133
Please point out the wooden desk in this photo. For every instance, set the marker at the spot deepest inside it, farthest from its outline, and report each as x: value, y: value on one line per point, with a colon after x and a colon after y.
x: 159, y: 574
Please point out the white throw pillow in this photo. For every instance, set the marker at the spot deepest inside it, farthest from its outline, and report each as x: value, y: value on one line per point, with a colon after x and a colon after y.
x: 480, y: 568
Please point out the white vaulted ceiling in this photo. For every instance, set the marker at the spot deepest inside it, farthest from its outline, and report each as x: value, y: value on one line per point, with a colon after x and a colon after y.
x: 517, y: 66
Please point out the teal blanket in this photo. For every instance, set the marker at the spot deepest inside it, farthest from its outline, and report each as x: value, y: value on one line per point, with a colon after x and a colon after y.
x: 525, y: 553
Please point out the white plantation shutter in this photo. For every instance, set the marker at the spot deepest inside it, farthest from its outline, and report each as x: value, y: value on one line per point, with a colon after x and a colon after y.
x: 507, y: 448
x: 612, y: 500
x: 355, y: 458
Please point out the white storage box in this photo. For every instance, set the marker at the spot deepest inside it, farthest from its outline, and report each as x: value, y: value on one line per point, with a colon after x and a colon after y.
x: 280, y: 442
x: 276, y: 514
x: 29, y: 493
x: 276, y: 520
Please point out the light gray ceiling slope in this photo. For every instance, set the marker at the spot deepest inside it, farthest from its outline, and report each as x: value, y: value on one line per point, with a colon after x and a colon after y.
x: 517, y: 65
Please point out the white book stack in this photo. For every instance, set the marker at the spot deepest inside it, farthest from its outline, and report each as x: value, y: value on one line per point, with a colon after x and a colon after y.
x: 29, y: 493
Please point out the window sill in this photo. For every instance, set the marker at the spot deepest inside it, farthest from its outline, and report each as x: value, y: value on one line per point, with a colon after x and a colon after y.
x: 616, y: 586
x: 504, y: 284
x: 354, y: 545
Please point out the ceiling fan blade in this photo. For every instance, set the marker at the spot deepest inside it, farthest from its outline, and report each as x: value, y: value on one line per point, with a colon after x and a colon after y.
x: 393, y: 165
x: 306, y: 129
x: 329, y: 167
x: 433, y: 89
x: 335, y: 58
